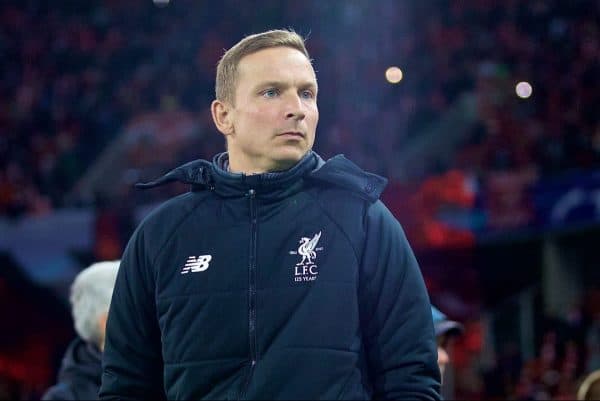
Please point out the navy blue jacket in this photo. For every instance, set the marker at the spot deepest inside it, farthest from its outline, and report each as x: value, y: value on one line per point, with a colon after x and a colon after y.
x: 299, y: 284
x: 79, y: 375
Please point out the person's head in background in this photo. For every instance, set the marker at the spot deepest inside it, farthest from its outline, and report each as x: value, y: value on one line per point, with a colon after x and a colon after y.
x: 91, y: 293
x: 444, y: 330
x: 590, y: 387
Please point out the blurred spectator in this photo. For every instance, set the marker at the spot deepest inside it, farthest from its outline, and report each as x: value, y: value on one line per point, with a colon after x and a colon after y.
x: 113, y: 225
x: 81, y: 370
x: 445, y: 330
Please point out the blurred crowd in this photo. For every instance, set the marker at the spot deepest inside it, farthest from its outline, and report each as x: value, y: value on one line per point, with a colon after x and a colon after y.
x: 566, y: 351
x: 554, y: 46
x: 74, y: 74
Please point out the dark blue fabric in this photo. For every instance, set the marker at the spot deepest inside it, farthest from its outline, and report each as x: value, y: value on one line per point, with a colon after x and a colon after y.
x: 350, y: 319
x: 79, y: 375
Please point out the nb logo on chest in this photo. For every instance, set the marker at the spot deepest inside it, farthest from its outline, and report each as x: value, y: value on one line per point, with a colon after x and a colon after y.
x: 196, y: 264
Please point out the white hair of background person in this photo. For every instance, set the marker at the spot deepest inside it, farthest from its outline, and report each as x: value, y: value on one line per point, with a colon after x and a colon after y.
x: 91, y: 293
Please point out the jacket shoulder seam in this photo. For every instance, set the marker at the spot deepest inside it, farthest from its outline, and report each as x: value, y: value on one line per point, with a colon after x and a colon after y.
x: 173, y: 231
x: 338, y: 225
x: 403, y: 272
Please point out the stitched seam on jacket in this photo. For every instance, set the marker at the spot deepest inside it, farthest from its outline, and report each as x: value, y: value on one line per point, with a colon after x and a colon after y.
x: 175, y: 228
x: 205, y: 361
x: 345, y: 386
x: 319, y: 202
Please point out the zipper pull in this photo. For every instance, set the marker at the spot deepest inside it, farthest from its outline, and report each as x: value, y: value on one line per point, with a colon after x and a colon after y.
x: 252, y: 193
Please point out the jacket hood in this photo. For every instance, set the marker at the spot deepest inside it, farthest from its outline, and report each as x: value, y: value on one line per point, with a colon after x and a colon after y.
x: 338, y: 171
x: 81, y: 359
x: 341, y: 172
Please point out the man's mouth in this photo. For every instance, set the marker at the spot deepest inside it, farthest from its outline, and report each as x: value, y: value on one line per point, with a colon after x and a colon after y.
x: 292, y: 134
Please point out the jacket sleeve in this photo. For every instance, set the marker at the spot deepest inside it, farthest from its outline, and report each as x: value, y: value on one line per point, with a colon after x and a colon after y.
x: 395, y: 314
x: 60, y: 391
x: 132, y: 363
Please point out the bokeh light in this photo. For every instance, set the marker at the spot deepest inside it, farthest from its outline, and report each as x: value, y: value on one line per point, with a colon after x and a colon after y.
x: 393, y: 75
x: 524, y: 90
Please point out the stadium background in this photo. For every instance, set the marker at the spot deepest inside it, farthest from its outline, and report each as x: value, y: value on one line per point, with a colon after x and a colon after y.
x: 498, y: 188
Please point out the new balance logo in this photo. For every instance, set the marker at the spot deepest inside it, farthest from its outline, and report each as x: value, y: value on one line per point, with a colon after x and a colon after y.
x: 196, y: 264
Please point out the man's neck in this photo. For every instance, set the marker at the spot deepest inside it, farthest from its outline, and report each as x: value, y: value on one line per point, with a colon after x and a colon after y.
x: 236, y: 166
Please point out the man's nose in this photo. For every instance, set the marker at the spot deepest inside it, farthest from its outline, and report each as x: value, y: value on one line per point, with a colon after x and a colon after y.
x: 294, y: 108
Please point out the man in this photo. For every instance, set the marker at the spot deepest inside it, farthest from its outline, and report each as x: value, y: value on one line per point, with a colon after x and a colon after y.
x: 444, y: 330
x: 279, y: 275
x: 81, y: 370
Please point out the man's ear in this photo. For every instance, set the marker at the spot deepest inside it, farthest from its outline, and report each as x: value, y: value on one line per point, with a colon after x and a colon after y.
x: 222, y: 116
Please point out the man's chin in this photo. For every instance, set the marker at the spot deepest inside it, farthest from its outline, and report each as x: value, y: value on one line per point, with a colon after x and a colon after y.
x: 288, y: 159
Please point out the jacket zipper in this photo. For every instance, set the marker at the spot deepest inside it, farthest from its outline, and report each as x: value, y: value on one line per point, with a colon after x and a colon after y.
x: 251, y: 291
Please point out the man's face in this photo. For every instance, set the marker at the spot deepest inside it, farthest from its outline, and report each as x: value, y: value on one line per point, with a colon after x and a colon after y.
x: 275, y: 115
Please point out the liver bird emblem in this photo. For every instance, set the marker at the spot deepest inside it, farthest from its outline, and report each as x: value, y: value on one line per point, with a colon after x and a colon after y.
x: 307, y: 248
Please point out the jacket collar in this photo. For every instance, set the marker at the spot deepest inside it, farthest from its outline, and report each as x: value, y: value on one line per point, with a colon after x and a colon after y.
x: 81, y: 359
x: 337, y: 171
x: 204, y: 175
x: 266, y: 185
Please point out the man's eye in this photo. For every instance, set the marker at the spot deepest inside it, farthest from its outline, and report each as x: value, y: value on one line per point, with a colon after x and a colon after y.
x: 270, y: 93
x: 306, y: 94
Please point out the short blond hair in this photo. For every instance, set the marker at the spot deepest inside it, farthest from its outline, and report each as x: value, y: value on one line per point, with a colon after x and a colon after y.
x: 228, y: 64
